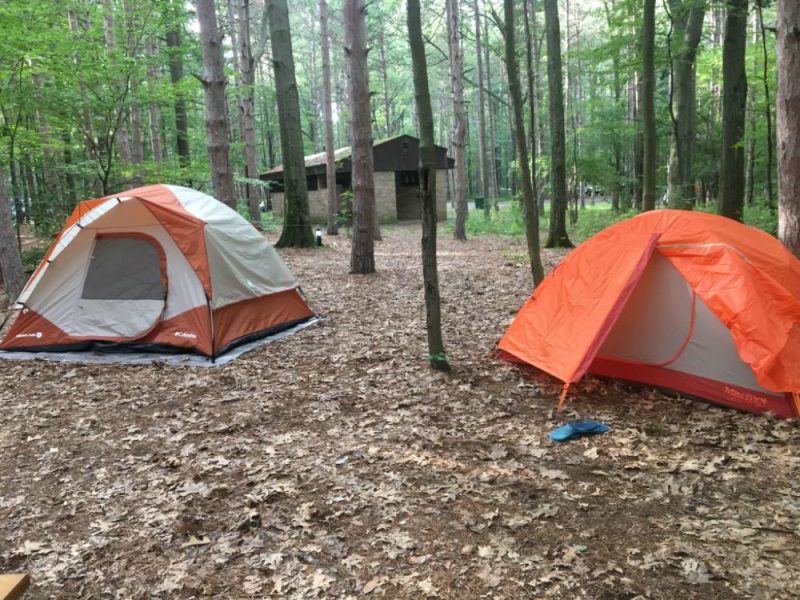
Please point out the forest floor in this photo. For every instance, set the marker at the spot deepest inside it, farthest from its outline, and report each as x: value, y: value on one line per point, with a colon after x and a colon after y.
x: 335, y: 464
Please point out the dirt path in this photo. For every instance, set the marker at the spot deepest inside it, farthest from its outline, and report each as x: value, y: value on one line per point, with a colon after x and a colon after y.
x: 334, y: 464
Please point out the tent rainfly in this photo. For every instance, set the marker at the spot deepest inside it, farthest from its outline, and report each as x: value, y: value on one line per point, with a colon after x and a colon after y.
x: 162, y: 268
x: 680, y: 300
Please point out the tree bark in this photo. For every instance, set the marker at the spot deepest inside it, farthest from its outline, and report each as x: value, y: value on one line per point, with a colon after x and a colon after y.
x: 530, y: 208
x: 687, y: 25
x: 481, y: 114
x: 557, y: 237
x: 296, y: 221
x: 213, y: 81
x: 10, y: 261
x: 247, y: 107
x: 648, y: 106
x: 788, y: 48
x: 362, y: 257
x: 437, y: 356
x: 459, y: 118
x: 327, y: 109
x: 734, y: 111
x: 173, y: 38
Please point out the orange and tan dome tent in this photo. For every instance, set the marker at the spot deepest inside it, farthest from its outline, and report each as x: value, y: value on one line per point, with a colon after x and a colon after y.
x: 687, y: 301
x: 159, y: 267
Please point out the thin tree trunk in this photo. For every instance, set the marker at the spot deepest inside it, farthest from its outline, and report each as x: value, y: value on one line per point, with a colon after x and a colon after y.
x: 153, y: 108
x: 173, y: 38
x: 557, y: 237
x: 10, y: 261
x: 437, y: 356
x: 216, y: 115
x: 247, y: 108
x: 648, y: 106
x: 767, y: 104
x: 122, y: 136
x: 330, y: 160
x: 362, y: 256
x: 788, y: 48
x: 492, y: 151
x: 484, y: 166
x: 734, y: 105
x: 687, y: 23
x: 531, y: 115
x: 459, y: 118
x: 387, y: 115
x: 296, y: 222
x: 530, y: 208
x: 750, y: 159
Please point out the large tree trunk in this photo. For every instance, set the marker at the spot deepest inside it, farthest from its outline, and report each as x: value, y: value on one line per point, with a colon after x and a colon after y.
x: 648, y: 106
x: 530, y: 207
x: 173, y: 37
x: 484, y: 167
x: 459, y: 118
x: 437, y: 356
x: 247, y: 107
x: 362, y: 256
x: 213, y: 81
x: 788, y: 48
x: 330, y: 160
x: 296, y: 221
x: 687, y: 25
x: 734, y: 111
x: 10, y: 261
x: 557, y: 237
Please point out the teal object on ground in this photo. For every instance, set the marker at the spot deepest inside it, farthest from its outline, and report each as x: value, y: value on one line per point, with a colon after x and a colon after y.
x: 576, y: 429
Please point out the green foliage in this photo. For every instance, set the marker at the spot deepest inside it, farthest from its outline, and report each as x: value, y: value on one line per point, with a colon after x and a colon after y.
x: 31, y: 257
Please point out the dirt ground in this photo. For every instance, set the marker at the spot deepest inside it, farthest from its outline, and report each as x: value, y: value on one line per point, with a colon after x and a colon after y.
x: 335, y: 464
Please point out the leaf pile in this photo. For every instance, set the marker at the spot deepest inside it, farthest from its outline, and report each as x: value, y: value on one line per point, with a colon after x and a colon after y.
x: 335, y: 464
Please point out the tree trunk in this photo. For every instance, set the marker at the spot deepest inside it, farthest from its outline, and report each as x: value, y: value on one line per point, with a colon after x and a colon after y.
x: 648, y: 106
x: 122, y: 136
x: 788, y: 48
x: 531, y: 115
x: 734, y: 111
x: 767, y: 103
x: 491, y: 151
x: 247, y: 107
x: 459, y: 118
x: 153, y: 110
x: 176, y: 76
x: 330, y: 160
x: 10, y: 261
x: 557, y: 237
x: 362, y: 257
x: 437, y: 356
x: 296, y: 221
x: 530, y: 208
x: 687, y: 25
x: 387, y: 114
x: 213, y: 81
x: 484, y: 166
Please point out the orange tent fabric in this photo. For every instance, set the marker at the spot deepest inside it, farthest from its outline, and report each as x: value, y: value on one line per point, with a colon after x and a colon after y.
x: 744, y: 276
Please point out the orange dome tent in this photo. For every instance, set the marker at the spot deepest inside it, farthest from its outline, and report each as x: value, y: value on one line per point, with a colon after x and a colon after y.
x: 156, y: 268
x: 688, y: 301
